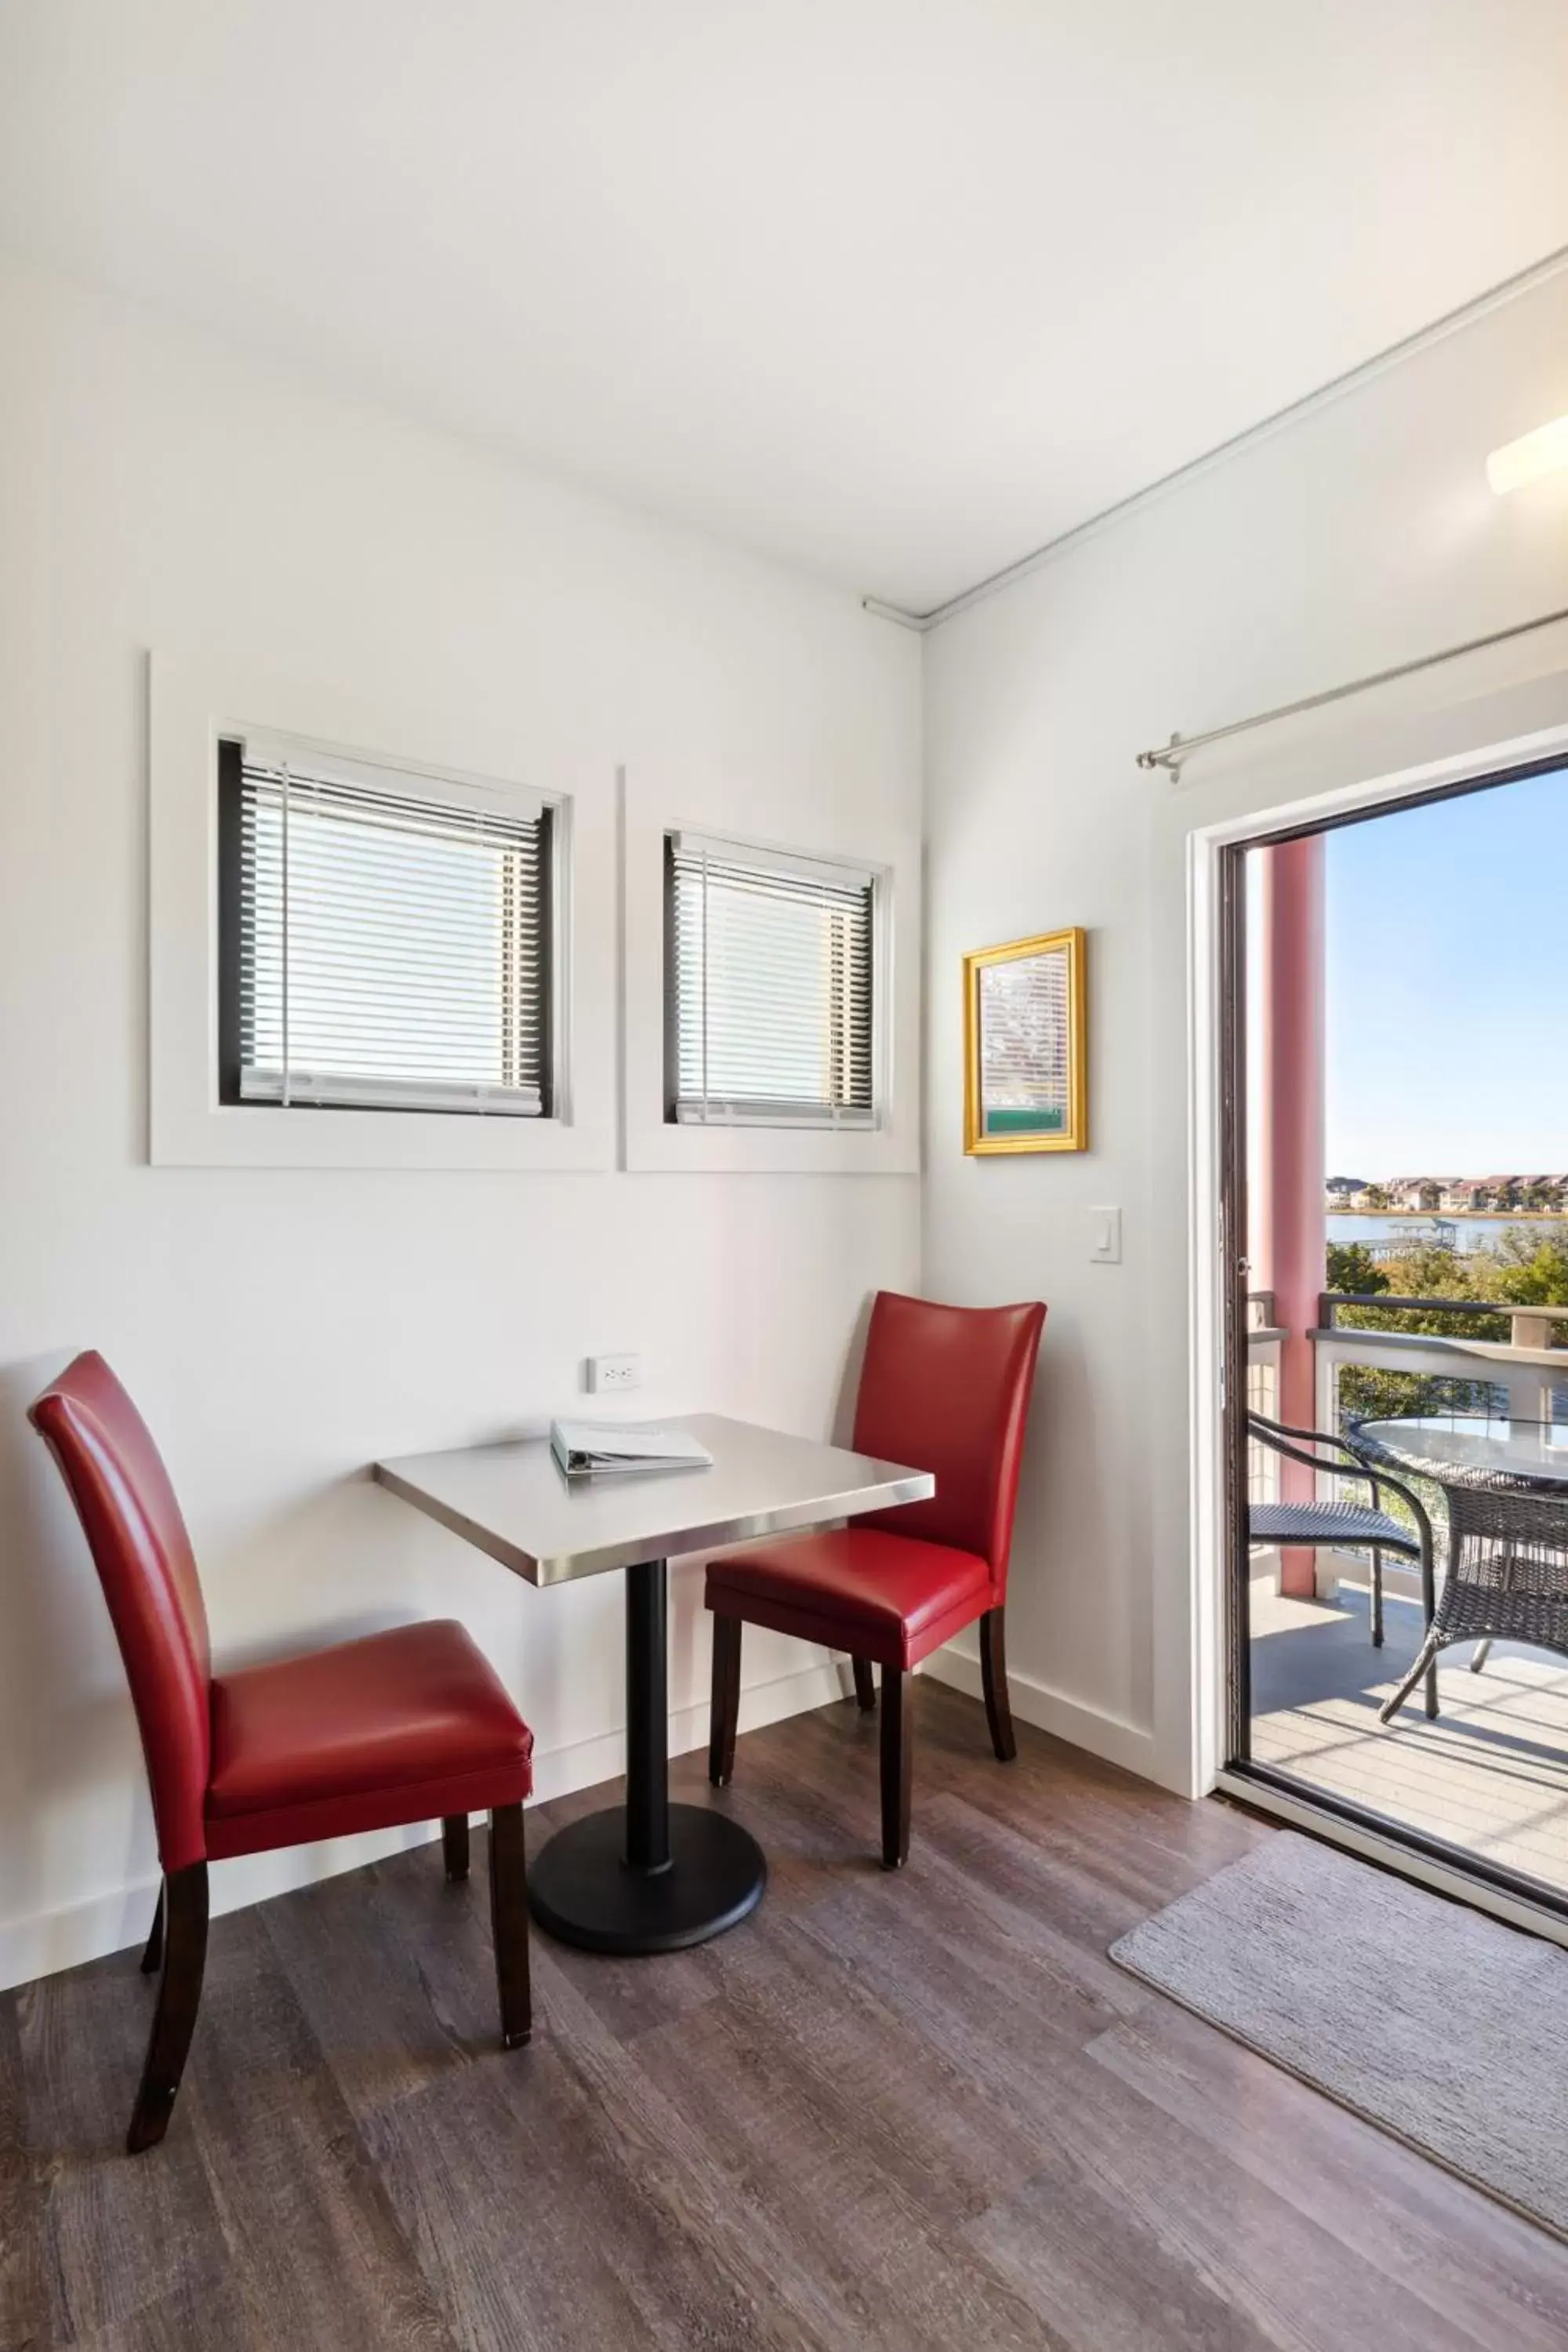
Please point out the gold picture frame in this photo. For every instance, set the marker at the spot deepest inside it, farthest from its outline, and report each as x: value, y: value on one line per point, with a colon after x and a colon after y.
x: 1025, y: 1046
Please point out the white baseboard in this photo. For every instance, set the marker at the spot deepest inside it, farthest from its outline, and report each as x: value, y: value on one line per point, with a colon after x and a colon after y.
x: 1109, y: 1736
x: 100, y: 1924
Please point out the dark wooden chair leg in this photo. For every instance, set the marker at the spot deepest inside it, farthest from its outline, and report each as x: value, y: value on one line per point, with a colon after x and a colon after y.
x: 153, y: 1957
x: 185, y: 1919
x: 865, y: 1685
x: 726, y: 1707
x: 508, y: 1925
x: 455, y: 1847
x: 898, y: 1754
x: 994, y: 1682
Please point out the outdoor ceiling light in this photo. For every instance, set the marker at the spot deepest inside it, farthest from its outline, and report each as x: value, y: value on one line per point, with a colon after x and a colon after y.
x: 1544, y: 451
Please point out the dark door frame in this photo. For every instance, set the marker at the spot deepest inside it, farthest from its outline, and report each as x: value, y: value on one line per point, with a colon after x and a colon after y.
x: 1525, y: 1901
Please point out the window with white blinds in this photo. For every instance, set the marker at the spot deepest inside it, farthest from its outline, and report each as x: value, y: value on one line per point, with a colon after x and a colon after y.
x: 770, y: 979
x: 384, y: 941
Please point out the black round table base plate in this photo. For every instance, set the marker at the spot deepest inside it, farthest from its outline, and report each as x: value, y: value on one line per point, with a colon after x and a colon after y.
x: 582, y: 1891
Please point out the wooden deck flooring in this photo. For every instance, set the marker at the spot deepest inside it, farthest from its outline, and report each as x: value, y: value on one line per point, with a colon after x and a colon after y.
x: 1491, y: 1775
x: 912, y: 2113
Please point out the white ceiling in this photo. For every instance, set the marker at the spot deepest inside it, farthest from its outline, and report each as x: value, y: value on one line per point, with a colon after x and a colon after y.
x: 894, y: 289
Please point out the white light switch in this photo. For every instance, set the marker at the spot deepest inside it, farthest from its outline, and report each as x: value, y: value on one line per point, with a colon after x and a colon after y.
x: 1105, y: 1243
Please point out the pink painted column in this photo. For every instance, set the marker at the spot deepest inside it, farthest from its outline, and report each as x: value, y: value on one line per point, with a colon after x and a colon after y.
x: 1288, y: 1236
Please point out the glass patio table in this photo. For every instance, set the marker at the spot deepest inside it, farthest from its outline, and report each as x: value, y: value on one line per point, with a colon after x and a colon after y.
x: 1506, y: 1486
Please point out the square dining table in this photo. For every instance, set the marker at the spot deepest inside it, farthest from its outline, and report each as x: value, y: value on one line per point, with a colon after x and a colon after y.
x: 650, y: 1876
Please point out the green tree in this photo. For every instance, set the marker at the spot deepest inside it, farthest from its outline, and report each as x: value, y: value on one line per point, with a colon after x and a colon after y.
x: 1527, y: 1265
x: 1423, y: 1270
x: 1352, y: 1266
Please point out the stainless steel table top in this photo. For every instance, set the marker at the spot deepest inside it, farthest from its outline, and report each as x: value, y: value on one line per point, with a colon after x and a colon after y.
x: 1533, y: 1450
x: 514, y: 1501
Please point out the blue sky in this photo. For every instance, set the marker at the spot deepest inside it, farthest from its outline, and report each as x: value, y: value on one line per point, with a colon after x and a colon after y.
x: 1448, y: 986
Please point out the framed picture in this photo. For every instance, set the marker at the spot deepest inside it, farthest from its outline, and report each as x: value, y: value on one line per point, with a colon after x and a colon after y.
x: 1025, y: 1053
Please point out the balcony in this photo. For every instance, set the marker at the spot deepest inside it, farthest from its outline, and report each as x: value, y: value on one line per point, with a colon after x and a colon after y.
x: 1490, y: 1774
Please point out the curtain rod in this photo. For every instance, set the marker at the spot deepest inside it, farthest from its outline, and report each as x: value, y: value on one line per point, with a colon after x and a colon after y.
x: 1181, y: 747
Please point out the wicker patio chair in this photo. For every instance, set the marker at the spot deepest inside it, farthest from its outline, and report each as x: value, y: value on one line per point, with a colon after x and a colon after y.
x: 1333, y: 1522
x: 1507, y: 1565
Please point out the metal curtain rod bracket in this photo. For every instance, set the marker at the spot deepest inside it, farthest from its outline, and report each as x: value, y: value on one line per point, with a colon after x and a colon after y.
x: 1182, y: 748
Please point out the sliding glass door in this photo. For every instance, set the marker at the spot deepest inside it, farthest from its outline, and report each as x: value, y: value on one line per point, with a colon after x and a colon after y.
x: 1395, y: 1232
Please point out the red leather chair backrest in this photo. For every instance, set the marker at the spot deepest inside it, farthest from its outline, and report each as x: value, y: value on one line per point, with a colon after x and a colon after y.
x: 148, y: 1571
x: 946, y: 1389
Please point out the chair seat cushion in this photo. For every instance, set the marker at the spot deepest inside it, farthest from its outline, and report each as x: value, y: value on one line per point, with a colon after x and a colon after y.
x: 1328, y: 1523
x: 405, y: 1725
x: 890, y: 1598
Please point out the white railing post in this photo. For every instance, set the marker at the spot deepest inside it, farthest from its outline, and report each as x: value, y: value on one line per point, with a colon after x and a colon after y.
x: 1263, y: 1396
x: 1530, y: 1385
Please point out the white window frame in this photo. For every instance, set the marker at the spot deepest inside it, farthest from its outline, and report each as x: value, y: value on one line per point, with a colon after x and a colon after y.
x: 833, y: 872
x: 469, y: 795
x: 656, y: 807
x: 330, y: 729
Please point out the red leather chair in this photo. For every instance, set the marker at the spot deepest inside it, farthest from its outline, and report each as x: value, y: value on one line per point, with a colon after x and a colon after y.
x: 945, y: 1388
x: 407, y: 1725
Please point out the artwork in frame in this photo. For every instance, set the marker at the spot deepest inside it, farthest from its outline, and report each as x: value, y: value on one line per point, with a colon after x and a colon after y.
x: 1025, y: 1058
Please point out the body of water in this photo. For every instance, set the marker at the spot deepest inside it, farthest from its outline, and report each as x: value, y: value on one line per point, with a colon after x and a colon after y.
x: 1404, y: 1224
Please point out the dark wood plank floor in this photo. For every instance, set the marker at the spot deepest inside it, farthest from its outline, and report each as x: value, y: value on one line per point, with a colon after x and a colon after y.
x: 907, y: 2113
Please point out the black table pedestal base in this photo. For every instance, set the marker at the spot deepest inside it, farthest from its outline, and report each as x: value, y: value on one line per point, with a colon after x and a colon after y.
x: 582, y: 1889
x: 655, y: 1876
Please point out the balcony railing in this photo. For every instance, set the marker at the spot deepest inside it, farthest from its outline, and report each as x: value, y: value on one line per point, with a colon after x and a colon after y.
x: 1522, y: 1378
x: 1531, y: 1328
x: 1526, y: 1376
x: 1264, y: 1339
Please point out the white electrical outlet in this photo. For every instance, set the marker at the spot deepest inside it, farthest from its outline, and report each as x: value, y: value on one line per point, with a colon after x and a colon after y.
x: 613, y: 1372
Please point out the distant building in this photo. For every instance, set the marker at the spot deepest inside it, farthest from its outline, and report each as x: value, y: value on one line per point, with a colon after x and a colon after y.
x: 1454, y: 1196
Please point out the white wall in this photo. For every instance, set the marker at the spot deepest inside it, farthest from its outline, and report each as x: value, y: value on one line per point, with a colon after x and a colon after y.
x: 280, y: 1329
x: 1360, y: 535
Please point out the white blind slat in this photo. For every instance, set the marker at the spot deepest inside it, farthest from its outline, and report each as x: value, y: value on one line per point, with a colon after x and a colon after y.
x: 770, y: 1020
x: 392, y: 947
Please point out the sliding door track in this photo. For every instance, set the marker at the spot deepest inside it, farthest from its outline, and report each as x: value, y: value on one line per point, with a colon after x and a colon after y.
x: 1447, y: 1869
